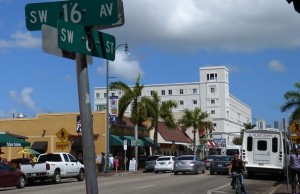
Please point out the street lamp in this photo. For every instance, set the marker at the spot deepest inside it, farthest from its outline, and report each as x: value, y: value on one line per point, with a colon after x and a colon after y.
x: 107, y: 106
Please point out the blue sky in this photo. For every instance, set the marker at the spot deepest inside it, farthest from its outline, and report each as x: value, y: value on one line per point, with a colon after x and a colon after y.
x: 258, y: 41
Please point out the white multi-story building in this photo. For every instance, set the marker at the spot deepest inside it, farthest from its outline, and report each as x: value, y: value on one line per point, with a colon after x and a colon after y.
x: 211, y: 94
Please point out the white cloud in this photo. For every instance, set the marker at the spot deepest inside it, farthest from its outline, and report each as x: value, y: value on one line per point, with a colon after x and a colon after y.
x: 123, y: 68
x: 21, y: 40
x: 24, y: 98
x: 212, y: 25
x: 275, y: 65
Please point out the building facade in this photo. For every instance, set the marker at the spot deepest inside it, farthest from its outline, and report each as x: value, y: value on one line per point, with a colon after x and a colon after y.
x: 211, y: 94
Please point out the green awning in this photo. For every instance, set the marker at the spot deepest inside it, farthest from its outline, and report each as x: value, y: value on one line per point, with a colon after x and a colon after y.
x: 116, y: 140
x: 11, y: 141
x: 147, y: 141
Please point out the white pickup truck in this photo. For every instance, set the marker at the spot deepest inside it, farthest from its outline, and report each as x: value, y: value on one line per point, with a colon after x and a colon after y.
x: 54, y: 167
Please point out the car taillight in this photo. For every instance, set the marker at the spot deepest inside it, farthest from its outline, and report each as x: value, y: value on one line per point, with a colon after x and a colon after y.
x: 47, y: 166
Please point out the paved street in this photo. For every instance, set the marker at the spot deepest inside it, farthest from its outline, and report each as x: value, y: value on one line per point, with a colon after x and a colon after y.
x: 151, y: 183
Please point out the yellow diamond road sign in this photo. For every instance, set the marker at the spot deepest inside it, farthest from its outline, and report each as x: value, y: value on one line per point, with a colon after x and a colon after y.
x: 62, y: 134
x: 295, y: 127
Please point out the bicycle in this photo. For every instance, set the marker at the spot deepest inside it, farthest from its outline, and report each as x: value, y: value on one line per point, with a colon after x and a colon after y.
x: 238, y: 183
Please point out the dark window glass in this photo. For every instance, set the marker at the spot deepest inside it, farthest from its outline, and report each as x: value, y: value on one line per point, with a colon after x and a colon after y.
x: 274, y: 144
x: 249, y: 143
x: 262, y: 145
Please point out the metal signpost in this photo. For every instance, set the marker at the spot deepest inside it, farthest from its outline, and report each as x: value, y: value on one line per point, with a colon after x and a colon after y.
x: 78, y: 18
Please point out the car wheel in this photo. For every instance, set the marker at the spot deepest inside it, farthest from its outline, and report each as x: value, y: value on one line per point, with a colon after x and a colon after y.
x: 21, y: 183
x: 156, y: 171
x: 211, y: 172
x: 56, y: 177
x: 176, y: 173
x: 203, y: 171
x: 80, y: 176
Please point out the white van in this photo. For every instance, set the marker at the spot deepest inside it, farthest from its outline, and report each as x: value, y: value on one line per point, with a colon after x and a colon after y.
x: 231, y: 150
x: 265, y: 151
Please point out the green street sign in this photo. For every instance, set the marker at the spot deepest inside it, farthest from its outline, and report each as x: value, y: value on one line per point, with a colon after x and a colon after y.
x: 77, y: 38
x: 86, y: 13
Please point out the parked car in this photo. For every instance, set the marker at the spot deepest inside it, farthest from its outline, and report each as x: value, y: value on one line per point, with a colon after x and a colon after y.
x: 54, y: 167
x: 150, y: 162
x: 220, y: 165
x: 164, y: 163
x: 10, y: 177
x: 188, y: 163
x: 208, y: 160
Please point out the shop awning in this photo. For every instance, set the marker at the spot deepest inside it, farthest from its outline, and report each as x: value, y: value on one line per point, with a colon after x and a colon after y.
x: 116, y: 140
x: 147, y: 141
x: 40, y: 146
x: 211, y: 144
x: 11, y: 141
x: 77, y: 144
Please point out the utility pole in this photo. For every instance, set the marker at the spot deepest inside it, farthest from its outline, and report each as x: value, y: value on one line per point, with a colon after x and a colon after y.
x: 86, y: 125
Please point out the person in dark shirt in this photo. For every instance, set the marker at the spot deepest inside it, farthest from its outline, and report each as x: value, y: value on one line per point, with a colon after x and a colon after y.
x: 295, y: 168
x: 237, y: 166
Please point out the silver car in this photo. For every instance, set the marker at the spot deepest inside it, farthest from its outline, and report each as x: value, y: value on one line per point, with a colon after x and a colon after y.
x: 188, y: 163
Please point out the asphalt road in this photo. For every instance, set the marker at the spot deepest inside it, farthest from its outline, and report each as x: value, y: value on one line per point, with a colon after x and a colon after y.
x: 151, y: 183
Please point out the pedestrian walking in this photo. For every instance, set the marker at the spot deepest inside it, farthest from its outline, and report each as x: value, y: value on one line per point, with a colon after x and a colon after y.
x: 111, y: 161
x: 295, y: 168
x: 116, y: 163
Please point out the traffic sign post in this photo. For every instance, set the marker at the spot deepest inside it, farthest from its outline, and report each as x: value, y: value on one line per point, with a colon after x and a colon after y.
x: 99, y: 12
x: 76, y: 38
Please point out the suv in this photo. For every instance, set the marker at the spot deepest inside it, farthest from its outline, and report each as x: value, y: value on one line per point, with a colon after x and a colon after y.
x: 150, y: 162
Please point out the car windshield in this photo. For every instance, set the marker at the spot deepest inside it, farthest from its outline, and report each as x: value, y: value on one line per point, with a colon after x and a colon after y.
x: 150, y: 158
x: 186, y: 158
x: 163, y: 159
x: 222, y: 159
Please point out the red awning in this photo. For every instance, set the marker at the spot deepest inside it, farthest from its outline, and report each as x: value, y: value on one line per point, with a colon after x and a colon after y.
x: 211, y: 144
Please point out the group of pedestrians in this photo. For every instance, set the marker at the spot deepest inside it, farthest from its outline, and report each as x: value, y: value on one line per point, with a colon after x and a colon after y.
x: 295, y: 168
x: 113, y: 162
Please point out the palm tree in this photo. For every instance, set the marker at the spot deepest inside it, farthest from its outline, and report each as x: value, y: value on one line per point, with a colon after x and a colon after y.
x: 292, y: 102
x: 196, y: 119
x: 131, y: 97
x: 157, y: 110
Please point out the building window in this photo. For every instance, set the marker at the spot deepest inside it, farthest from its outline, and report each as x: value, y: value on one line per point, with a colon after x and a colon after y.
x: 212, y: 102
x: 151, y: 92
x: 212, y: 76
x: 212, y: 90
x: 97, y: 95
x: 100, y: 107
x: 163, y: 92
x: 113, y: 94
x: 212, y: 112
x: 194, y: 102
x: 207, y: 76
x: 170, y: 92
x: 181, y: 102
x: 181, y: 91
x: 105, y: 95
x: 194, y: 90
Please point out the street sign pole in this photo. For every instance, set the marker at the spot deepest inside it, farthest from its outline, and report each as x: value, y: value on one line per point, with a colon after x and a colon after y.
x: 89, y: 159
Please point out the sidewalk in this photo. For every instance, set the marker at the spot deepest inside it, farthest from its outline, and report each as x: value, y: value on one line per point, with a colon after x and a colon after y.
x: 120, y: 172
x: 282, y: 188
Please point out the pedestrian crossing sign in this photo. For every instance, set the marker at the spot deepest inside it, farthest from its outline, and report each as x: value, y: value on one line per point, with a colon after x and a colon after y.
x: 62, y: 134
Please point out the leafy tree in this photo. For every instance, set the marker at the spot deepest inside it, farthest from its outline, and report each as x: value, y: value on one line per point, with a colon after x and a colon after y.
x: 158, y: 110
x: 239, y: 140
x: 196, y: 119
x: 292, y: 102
x: 131, y: 97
